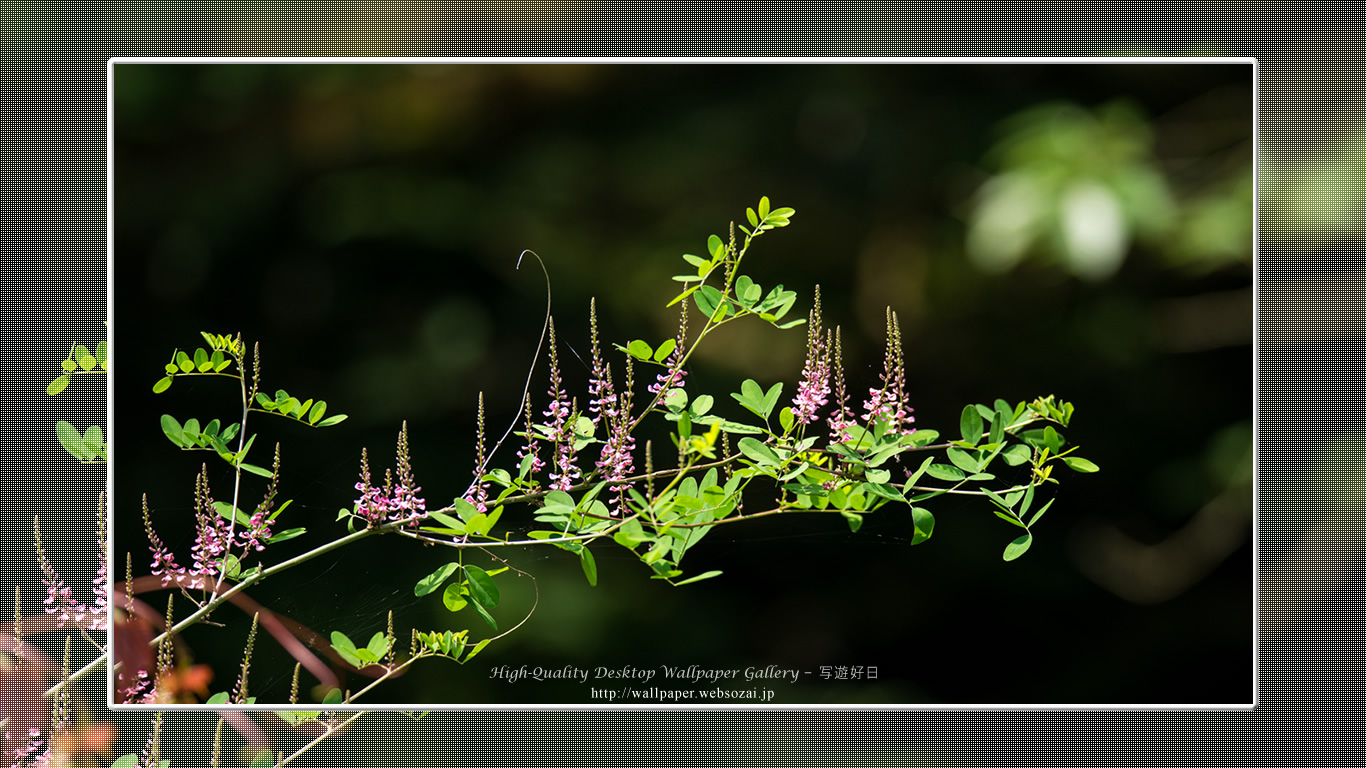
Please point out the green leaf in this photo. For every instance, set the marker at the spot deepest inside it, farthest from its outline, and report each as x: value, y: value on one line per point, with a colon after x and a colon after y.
x: 58, y: 384
x: 924, y: 465
x: 334, y: 696
x: 590, y: 566
x: 172, y: 429
x: 183, y: 360
x: 1017, y: 547
x: 631, y: 534
x: 697, y: 578
x: 454, y: 597
x: 431, y: 581
x: 201, y: 360
x: 761, y: 454
x: 481, y: 645
x: 883, y: 490
x: 134, y: 760
x: 971, y: 424
x: 962, y: 459
x: 639, y: 350
x: 255, y: 470
x: 737, y: 428
x: 701, y: 405
x: 378, y: 645
x: 485, y: 615
x: 68, y: 365
x: 763, y: 207
x: 482, y: 588
x: 1039, y: 514
x: 1028, y: 499
x: 786, y: 419
x: 1007, y: 413
x: 218, y: 698
x: 467, y: 511
x: 855, y: 520
x: 657, y: 551
x: 319, y: 408
x: 1052, y: 439
x: 1008, y: 517
x: 70, y: 438
x: 708, y: 300
x: 342, y: 643
x: 286, y: 535
x: 771, y: 399
x: 945, y: 472
x: 231, y: 566
x: 1078, y: 464
x: 924, y: 525
x: 331, y: 420
x: 715, y: 247
x: 752, y: 216
x: 665, y: 349
x: 998, y: 429
x: 1016, y: 454
x: 682, y: 296
x: 747, y: 291
x: 229, y: 512
x: 920, y: 437
x: 752, y: 392
x: 294, y: 717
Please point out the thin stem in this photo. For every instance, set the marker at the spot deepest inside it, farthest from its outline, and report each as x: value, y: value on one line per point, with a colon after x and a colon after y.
x: 526, y: 386
x: 330, y: 730
x: 590, y: 482
x: 236, y: 483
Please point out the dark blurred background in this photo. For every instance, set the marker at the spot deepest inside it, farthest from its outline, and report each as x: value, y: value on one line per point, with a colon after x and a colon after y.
x: 1079, y: 230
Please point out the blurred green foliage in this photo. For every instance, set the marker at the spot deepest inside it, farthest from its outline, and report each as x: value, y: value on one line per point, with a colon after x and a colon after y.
x: 1080, y: 187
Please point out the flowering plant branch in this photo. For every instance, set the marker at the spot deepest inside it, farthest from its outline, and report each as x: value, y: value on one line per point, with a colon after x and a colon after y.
x: 819, y: 452
x: 579, y: 471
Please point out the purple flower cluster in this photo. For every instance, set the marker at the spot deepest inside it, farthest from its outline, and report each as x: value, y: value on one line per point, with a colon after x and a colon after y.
x: 559, y: 420
x: 814, y: 390
x: 212, y: 531
x: 566, y: 472
x: 392, y: 502
x: 478, y: 492
x: 673, y: 375
x: 28, y: 754
x: 532, y: 447
x: 889, y: 401
x: 258, y: 528
x: 841, y: 420
x: 616, y: 460
x: 60, y: 602
x: 215, y: 537
x: 140, y: 692
x: 163, y: 559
